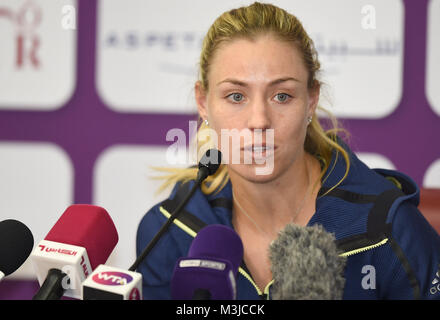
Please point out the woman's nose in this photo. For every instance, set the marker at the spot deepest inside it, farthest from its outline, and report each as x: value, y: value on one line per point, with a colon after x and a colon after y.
x: 259, y: 115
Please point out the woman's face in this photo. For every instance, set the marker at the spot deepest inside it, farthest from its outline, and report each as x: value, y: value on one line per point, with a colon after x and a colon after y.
x: 260, y: 89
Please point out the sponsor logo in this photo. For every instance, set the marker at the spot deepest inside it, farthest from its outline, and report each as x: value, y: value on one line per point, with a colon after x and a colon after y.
x: 84, y: 266
x: 111, y: 278
x: 57, y: 250
x: 435, y: 284
x: 194, y: 263
x: 26, y: 21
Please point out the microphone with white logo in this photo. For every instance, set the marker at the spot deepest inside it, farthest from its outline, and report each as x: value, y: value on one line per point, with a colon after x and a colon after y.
x: 81, y: 239
x: 306, y: 265
x: 112, y: 283
x: 209, y: 272
x: 16, y: 243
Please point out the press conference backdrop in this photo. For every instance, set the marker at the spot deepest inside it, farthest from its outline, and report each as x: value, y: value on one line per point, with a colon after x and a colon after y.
x: 89, y: 90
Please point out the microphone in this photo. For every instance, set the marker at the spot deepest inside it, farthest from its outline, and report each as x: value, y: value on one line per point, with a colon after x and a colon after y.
x: 117, y: 284
x: 16, y: 243
x: 81, y: 239
x: 109, y: 283
x: 210, y: 269
x: 207, y: 166
x: 306, y: 265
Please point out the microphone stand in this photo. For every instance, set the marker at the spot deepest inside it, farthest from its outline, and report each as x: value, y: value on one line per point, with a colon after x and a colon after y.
x: 206, y: 168
x: 52, y: 287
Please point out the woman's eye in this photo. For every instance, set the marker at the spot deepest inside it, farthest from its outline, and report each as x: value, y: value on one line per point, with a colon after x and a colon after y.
x: 282, y: 97
x: 236, y: 97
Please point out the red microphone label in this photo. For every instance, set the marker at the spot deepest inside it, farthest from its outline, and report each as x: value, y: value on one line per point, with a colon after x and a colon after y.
x: 134, y: 294
x: 111, y: 278
x: 57, y: 250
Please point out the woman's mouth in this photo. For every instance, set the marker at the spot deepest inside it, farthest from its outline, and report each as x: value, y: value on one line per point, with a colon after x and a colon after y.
x: 259, y: 151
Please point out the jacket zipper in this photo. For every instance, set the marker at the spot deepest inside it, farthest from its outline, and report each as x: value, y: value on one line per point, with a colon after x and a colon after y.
x: 265, y: 293
x: 192, y: 233
x: 363, y: 249
x: 345, y: 254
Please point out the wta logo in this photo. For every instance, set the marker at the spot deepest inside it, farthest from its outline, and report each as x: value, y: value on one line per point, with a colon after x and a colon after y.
x: 110, y: 278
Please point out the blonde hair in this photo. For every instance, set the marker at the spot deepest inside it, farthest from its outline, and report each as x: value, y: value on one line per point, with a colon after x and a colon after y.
x: 250, y: 22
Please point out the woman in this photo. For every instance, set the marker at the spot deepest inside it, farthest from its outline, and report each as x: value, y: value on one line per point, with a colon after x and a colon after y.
x: 258, y: 72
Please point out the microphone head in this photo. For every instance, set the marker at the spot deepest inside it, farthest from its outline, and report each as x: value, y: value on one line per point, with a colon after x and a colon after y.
x: 218, y: 242
x: 211, y: 160
x: 16, y: 243
x: 86, y: 226
x: 306, y: 265
x: 210, y: 269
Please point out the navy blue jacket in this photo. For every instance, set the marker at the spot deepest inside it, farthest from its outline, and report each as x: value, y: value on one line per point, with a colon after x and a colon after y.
x: 392, y: 251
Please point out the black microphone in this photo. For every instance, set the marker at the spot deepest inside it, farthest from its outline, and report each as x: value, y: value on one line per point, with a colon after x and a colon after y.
x: 208, y: 165
x: 16, y: 243
x: 306, y: 265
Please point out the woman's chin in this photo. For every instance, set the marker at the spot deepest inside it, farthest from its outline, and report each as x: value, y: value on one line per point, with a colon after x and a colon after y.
x: 257, y: 173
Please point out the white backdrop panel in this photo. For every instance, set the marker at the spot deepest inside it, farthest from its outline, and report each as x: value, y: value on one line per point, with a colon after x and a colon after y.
x: 432, y: 175
x: 123, y: 186
x: 376, y: 160
x: 433, y: 55
x: 36, y: 186
x: 148, y: 51
x: 38, y: 54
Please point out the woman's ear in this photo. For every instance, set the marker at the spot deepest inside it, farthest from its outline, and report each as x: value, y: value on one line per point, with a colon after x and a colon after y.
x: 314, y: 97
x: 200, y: 95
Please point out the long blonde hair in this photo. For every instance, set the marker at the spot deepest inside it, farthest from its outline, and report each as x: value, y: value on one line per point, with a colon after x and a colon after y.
x: 248, y: 23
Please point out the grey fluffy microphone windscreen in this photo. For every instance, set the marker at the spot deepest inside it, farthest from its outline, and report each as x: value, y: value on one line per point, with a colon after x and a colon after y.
x: 306, y: 265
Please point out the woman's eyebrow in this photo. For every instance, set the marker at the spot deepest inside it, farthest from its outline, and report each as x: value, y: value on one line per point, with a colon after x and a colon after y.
x: 244, y: 84
x: 233, y: 81
x: 278, y: 81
